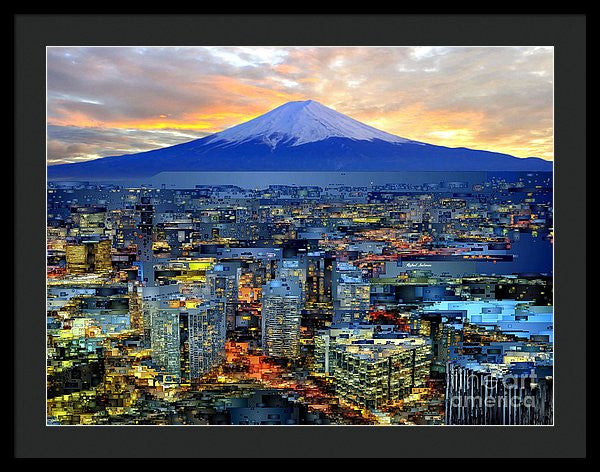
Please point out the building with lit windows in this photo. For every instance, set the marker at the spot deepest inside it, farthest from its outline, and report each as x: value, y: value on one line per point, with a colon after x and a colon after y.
x: 352, y: 300
x: 222, y: 287
x: 281, y: 318
x: 88, y: 256
x: 187, y: 338
x: 375, y: 372
x: 90, y: 220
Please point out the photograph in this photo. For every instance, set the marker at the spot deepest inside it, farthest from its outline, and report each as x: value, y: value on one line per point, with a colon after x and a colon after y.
x: 300, y: 235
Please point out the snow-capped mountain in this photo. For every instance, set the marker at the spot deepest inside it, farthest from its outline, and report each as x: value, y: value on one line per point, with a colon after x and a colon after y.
x: 296, y: 123
x: 297, y: 136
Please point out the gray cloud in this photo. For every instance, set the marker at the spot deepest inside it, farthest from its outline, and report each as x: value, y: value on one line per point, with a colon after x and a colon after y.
x: 72, y: 144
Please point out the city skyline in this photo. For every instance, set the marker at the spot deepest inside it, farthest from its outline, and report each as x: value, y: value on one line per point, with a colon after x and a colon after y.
x: 108, y: 101
x: 402, y: 303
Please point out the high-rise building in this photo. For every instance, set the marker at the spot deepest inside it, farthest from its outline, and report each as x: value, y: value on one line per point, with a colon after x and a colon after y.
x: 351, y: 295
x: 83, y: 256
x: 375, y: 372
x: 187, y: 341
x: 144, y: 241
x: 152, y: 297
x: 343, y: 333
x: 352, y: 301
x: 222, y: 287
x: 319, y: 267
x: 281, y: 318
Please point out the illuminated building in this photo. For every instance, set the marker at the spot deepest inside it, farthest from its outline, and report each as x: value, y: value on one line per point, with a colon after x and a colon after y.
x: 352, y: 299
x: 85, y: 257
x: 152, y: 298
x: 342, y: 333
x: 135, y: 307
x: 182, y: 271
x: 319, y: 267
x: 187, y: 342
x: 374, y: 373
x: 281, y: 319
x: 347, y: 300
x: 444, y: 330
x: 144, y: 239
x: 89, y: 220
x: 222, y: 287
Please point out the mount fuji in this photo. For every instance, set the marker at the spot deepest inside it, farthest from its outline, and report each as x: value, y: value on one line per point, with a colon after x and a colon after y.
x: 297, y: 136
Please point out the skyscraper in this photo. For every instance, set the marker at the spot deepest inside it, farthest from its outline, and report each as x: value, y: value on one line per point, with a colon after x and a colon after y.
x: 281, y: 318
x: 188, y: 340
x: 145, y: 230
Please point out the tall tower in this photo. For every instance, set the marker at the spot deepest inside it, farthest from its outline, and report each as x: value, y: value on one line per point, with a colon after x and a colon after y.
x: 222, y: 287
x: 281, y: 319
x: 145, y: 212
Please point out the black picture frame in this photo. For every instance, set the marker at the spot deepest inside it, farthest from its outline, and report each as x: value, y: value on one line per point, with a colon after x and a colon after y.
x: 33, y: 439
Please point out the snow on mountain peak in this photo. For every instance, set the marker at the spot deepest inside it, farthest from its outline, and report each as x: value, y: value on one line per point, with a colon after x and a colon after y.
x: 302, y: 122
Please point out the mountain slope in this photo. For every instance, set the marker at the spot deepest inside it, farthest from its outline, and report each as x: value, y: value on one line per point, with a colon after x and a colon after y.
x: 298, y: 136
x: 296, y: 123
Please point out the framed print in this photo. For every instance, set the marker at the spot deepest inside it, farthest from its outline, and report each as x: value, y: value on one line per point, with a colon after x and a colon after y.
x: 324, y: 238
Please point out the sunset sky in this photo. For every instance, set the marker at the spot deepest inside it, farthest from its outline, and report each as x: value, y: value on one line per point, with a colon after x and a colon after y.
x: 109, y: 101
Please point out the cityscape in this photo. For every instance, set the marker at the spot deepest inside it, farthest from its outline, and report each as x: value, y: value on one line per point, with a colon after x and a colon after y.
x: 296, y: 267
